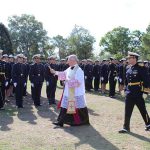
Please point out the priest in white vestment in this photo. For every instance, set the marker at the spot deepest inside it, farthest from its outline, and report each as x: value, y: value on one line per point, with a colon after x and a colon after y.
x: 73, y: 103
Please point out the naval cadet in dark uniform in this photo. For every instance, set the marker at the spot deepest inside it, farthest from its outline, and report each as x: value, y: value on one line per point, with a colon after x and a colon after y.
x: 19, y: 73
x: 137, y: 83
x: 2, y: 81
x: 104, y: 75
x: 122, y: 74
x: 82, y: 65
x: 28, y: 68
x: 51, y: 80
x: 112, y: 77
x: 88, y: 72
x: 36, y: 77
x: 8, y: 77
x: 11, y: 88
x: 96, y: 75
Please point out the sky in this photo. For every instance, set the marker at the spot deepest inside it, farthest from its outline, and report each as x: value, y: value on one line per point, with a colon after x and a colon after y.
x: 98, y: 16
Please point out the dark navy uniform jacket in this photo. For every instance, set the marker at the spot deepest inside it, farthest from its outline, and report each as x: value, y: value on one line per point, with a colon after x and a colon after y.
x: 62, y: 67
x: 88, y: 71
x: 48, y: 75
x: 66, y: 66
x: 2, y: 71
x: 36, y: 73
x: 19, y: 73
x: 122, y: 73
x: 28, y: 69
x: 96, y: 71
x: 137, y: 79
x: 11, y: 67
x: 104, y: 72
x: 82, y: 66
x: 112, y: 71
x: 8, y: 71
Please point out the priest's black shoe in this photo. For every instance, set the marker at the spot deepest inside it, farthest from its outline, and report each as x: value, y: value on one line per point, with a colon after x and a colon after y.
x: 123, y: 131
x: 58, y: 124
x: 147, y: 128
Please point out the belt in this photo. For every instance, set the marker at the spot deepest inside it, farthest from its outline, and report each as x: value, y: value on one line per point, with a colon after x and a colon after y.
x: 135, y: 83
x: 146, y: 90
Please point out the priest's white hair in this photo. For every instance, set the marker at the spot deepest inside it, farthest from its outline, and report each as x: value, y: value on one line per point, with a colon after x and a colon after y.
x: 73, y: 57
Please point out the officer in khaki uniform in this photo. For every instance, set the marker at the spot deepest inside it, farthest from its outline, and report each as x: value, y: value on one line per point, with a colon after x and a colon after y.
x: 137, y: 83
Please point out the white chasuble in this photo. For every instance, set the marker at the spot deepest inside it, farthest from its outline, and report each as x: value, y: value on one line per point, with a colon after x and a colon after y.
x: 74, y: 88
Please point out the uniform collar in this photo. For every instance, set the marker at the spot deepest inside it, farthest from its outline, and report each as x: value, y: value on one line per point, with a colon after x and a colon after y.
x: 134, y: 65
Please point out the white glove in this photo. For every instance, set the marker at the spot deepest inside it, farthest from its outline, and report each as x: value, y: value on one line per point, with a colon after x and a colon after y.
x: 15, y: 84
x: 120, y: 79
x: 25, y: 84
x: 6, y: 83
x: 32, y: 84
x: 145, y: 95
x: 85, y: 77
x: 102, y: 78
x: 47, y: 83
x: 52, y: 71
x: 116, y: 78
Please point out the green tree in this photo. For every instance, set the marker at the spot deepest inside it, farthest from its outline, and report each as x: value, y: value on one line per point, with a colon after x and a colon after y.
x: 5, y: 41
x: 80, y: 42
x: 116, y: 42
x: 28, y: 35
x: 49, y: 50
x: 146, y: 44
x: 61, y: 43
x: 136, y: 41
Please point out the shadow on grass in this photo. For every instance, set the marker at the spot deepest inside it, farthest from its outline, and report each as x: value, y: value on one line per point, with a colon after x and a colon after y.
x: 140, y: 137
x: 92, y: 112
x: 48, y: 111
x: 6, y: 117
x: 26, y: 114
x: 88, y: 135
x: 45, y: 111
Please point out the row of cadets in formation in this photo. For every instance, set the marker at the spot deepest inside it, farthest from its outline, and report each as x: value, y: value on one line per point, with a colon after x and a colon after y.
x: 8, y: 71
x: 14, y: 74
x: 101, y: 72
x: 38, y: 72
x: 112, y: 71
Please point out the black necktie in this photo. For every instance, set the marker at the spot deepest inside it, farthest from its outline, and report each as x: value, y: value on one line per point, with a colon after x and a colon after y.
x: 72, y: 67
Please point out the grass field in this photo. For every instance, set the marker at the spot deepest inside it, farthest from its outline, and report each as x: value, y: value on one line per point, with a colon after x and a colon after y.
x: 32, y: 129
